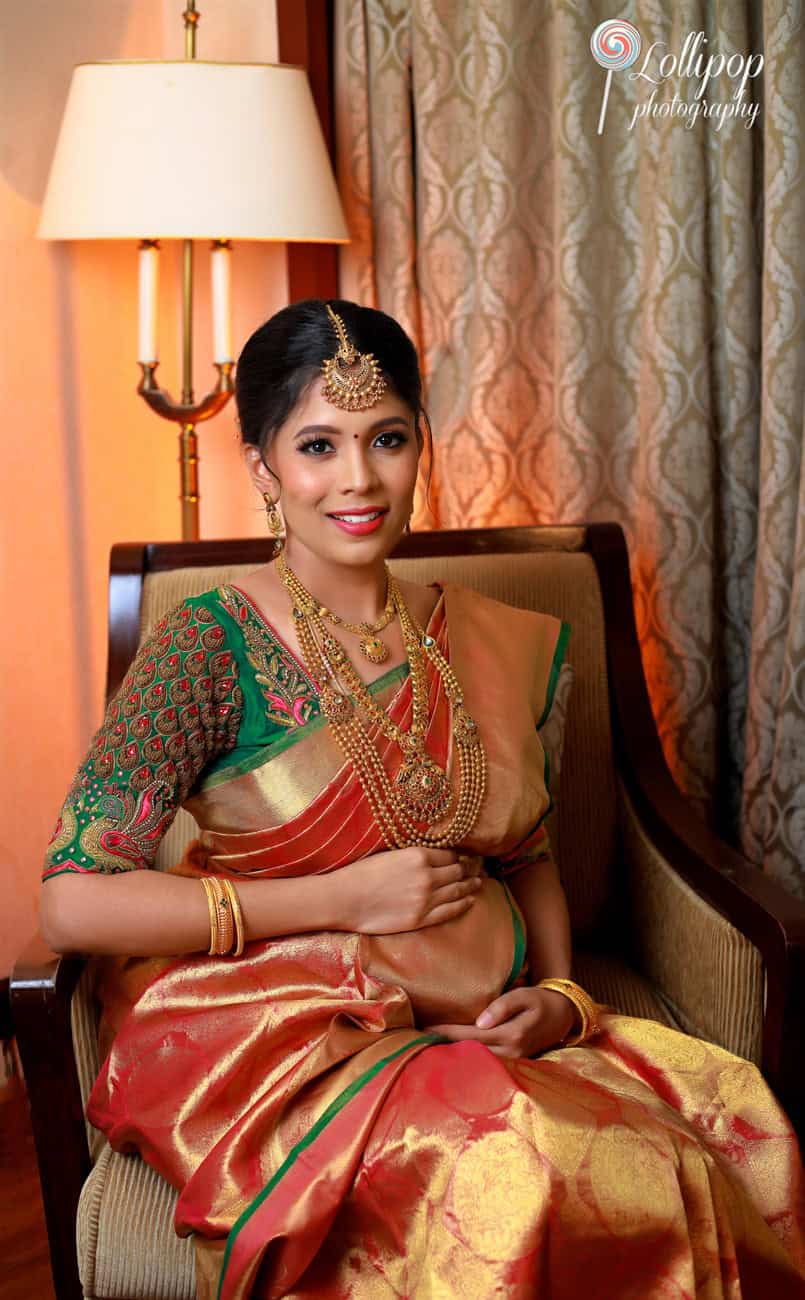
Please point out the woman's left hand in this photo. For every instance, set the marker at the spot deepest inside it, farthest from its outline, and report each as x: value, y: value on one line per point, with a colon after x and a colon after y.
x: 523, y: 1022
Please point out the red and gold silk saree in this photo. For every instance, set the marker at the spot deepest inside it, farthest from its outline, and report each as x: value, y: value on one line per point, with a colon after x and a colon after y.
x: 325, y: 1146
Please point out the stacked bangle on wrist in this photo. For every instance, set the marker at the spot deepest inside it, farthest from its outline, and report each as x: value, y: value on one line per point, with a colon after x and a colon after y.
x: 227, y: 934
x: 237, y: 917
x: 212, y: 904
x: 586, y: 1009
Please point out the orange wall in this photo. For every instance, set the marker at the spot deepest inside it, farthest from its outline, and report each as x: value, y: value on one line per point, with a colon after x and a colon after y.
x: 85, y: 463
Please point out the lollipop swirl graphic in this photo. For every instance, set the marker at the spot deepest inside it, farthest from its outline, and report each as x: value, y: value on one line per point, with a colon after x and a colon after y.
x: 615, y: 45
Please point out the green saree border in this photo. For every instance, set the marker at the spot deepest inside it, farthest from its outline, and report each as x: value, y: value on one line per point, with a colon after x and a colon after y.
x: 553, y: 676
x: 291, y: 736
x: 519, y: 941
x: 313, y: 1132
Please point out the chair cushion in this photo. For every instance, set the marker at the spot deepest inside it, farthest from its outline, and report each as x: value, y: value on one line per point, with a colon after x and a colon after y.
x: 613, y: 983
x: 127, y: 1248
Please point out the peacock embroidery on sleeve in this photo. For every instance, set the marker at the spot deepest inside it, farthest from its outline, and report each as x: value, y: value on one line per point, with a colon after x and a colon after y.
x: 111, y: 830
x: 179, y: 706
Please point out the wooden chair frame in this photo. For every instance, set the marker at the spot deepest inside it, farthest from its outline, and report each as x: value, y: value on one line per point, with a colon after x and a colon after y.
x: 42, y: 984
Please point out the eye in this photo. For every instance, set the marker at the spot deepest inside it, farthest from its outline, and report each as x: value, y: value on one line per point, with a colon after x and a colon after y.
x: 316, y: 446
x: 391, y: 438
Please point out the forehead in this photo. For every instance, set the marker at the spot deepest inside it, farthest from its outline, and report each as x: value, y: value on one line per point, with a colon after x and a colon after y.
x: 313, y: 408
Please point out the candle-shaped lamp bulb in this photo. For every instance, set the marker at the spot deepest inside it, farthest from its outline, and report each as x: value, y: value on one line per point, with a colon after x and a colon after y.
x: 149, y: 281
x: 221, y: 316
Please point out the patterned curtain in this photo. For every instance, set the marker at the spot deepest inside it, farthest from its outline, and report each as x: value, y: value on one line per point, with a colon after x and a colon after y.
x: 611, y: 327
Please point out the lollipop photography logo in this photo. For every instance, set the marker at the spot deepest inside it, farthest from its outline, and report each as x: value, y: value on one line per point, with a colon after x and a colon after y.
x: 616, y: 45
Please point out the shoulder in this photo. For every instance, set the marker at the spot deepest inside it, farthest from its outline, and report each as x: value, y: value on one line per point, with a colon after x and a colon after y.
x: 491, y: 639
x: 419, y: 598
x: 466, y: 602
x: 193, y: 636
x: 194, y: 615
x: 469, y: 607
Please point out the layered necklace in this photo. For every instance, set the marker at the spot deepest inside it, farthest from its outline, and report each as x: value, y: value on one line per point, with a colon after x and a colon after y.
x: 420, y: 796
x: 370, y: 644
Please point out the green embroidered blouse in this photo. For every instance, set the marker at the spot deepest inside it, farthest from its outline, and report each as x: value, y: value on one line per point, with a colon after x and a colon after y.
x: 212, y: 692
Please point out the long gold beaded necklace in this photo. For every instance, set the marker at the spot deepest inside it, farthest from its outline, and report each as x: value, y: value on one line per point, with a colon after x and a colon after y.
x: 420, y: 795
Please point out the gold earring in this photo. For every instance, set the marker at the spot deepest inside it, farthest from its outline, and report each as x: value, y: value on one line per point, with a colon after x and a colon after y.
x: 274, y: 521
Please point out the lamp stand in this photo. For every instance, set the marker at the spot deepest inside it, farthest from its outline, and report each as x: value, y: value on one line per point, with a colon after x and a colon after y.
x: 187, y: 413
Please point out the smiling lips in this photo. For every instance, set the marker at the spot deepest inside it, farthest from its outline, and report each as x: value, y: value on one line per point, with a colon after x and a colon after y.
x: 360, y: 522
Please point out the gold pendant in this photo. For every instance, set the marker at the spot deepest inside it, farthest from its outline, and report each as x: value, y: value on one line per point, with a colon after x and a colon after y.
x: 425, y: 788
x: 335, y: 706
x: 374, y: 649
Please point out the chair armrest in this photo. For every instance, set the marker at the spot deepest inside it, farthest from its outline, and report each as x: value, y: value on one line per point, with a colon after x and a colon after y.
x: 709, y: 973
x: 42, y: 986
x: 758, y: 907
x: 755, y: 904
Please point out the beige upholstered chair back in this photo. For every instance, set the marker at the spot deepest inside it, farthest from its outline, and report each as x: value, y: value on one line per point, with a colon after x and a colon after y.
x: 561, y: 582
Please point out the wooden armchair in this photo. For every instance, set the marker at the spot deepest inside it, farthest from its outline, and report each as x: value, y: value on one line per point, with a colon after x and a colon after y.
x: 669, y: 922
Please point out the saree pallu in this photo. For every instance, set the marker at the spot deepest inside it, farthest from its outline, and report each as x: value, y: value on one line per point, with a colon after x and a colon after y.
x: 326, y: 1145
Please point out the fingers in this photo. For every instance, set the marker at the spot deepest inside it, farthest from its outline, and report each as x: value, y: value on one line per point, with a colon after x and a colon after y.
x: 455, y: 1033
x: 506, y: 1007
x: 518, y: 1037
x: 439, y: 857
x: 458, y: 889
x: 454, y: 894
x: 511, y: 1044
x: 447, y: 875
x: 458, y: 892
x: 472, y: 863
x: 448, y: 911
x: 453, y: 883
x: 456, y: 870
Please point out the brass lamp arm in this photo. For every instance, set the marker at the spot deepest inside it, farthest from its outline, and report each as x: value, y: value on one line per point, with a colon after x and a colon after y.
x: 186, y: 412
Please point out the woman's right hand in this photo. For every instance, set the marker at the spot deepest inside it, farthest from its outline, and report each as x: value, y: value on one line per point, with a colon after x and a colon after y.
x: 406, y: 889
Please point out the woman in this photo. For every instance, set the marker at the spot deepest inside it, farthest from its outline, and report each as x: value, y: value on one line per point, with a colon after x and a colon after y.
x: 360, y: 1073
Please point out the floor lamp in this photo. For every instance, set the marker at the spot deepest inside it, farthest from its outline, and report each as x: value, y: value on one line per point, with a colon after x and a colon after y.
x: 153, y: 150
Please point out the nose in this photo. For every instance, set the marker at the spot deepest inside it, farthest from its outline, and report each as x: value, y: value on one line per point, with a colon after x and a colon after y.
x: 359, y: 473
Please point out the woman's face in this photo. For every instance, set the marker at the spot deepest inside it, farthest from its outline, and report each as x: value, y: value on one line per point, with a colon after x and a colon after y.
x: 346, y: 478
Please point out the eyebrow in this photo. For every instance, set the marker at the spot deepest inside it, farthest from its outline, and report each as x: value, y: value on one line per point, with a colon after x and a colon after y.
x: 331, y: 428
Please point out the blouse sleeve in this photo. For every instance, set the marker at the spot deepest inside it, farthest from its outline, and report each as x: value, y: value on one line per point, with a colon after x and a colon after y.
x: 178, y: 708
x: 536, y: 847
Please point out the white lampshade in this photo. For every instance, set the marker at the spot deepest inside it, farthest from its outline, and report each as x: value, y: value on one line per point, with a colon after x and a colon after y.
x: 191, y: 150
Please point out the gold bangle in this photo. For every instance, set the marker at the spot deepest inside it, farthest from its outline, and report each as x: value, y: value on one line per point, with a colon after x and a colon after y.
x: 236, y: 914
x: 222, y: 929
x: 225, y: 920
x: 585, y: 1007
x: 212, y: 904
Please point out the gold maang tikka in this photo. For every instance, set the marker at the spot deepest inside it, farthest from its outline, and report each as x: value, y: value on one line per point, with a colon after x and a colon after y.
x: 352, y: 379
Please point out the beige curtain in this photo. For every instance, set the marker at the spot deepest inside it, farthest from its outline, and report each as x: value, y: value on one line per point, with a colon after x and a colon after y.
x: 611, y: 327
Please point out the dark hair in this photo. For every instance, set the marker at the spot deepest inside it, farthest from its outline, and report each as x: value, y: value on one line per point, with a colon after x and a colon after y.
x: 284, y: 356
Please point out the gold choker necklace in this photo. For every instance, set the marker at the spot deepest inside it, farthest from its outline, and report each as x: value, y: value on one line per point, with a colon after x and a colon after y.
x: 370, y: 644
x: 421, y: 795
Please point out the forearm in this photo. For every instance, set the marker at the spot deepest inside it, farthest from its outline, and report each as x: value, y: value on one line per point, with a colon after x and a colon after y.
x: 153, y: 913
x: 539, y: 893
